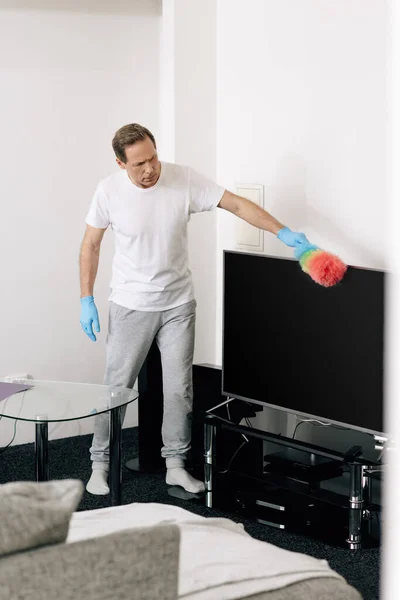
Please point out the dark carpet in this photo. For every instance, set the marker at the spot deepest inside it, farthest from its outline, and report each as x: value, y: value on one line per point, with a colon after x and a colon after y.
x: 69, y: 458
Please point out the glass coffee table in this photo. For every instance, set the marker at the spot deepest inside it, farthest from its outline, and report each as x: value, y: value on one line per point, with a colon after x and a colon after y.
x: 55, y: 401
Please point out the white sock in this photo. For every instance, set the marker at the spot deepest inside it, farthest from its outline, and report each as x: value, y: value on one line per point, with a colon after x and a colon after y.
x: 178, y: 476
x: 97, y: 483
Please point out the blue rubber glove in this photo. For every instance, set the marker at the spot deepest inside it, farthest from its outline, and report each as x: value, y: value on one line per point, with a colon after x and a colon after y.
x: 89, y: 317
x: 292, y: 238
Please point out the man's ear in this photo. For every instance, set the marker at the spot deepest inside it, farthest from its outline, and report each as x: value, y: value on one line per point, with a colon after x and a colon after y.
x: 120, y: 163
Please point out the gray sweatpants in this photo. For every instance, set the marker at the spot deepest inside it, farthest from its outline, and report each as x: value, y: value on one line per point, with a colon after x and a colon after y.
x: 130, y: 336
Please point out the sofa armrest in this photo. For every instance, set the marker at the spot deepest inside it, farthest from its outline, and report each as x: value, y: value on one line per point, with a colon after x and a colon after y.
x: 139, y: 564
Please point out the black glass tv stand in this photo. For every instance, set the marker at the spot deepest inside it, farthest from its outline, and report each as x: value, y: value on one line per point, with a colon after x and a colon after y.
x: 288, y: 493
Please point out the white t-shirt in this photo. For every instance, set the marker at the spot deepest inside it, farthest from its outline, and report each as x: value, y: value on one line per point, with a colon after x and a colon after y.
x: 150, y: 267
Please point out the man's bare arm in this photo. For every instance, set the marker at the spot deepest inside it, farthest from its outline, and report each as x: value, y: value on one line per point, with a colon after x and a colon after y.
x: 89, y: 259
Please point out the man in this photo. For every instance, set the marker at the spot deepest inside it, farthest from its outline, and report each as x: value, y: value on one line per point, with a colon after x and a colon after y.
x: 148, y: 205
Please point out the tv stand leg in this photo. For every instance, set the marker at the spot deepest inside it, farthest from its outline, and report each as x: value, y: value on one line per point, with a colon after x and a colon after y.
x: 210, y: 435
x: 356, y: 504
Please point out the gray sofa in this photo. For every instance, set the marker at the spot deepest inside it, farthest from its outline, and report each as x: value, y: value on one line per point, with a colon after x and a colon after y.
x: 138, y: 566
x: 133, y: 564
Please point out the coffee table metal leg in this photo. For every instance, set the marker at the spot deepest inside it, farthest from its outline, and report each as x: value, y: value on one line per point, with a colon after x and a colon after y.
x: 42, y: 451
x: 115, y: 472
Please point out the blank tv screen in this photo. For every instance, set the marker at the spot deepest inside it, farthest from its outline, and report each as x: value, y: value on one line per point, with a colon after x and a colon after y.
x: 295, y: 345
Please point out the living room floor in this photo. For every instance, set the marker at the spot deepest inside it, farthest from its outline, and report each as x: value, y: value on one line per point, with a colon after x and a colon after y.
x: 69, y: 458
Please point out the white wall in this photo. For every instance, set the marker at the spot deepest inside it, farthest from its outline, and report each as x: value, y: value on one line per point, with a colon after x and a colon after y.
x: 302, y: 104
x: 69, y: 77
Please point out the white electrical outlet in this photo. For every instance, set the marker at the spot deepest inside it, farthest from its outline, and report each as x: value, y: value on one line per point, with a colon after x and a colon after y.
x: 249, y: 237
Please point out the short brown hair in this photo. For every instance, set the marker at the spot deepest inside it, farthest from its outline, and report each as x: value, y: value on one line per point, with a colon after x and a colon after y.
x: 127, y: 136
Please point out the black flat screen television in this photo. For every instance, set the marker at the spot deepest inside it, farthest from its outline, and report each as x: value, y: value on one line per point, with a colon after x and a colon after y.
x: 294, y: 345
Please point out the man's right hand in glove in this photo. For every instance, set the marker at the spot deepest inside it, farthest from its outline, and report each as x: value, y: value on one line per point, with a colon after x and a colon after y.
x: 89, y: 317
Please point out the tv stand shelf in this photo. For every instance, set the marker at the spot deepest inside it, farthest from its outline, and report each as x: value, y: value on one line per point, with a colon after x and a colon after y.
x: 304, y: 466
x: 288, y: 493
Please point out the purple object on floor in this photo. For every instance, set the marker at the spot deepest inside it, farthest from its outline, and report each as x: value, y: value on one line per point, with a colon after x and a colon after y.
x: 8, y: 389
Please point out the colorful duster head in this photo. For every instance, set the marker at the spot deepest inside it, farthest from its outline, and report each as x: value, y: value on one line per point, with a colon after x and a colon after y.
x: 324, y: 268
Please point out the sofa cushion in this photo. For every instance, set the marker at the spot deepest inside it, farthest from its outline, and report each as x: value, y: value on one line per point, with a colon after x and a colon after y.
x: 36, y: 514
x: 139, y: 564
